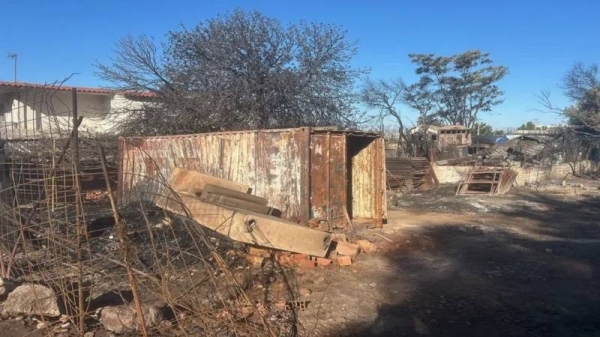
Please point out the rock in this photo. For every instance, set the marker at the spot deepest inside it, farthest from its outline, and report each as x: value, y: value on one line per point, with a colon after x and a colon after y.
x: 123, y: 318
x: 347, y: 249
x: 262, y: 252
x: 6, y: 286
x: 64, y: 318
x: 255, y: 260
x: 339, y: 237
x: 32, y: 299
x: 88, y: 334
x: 367, y: 246
x: 343, y: 260
x: 243, y: 280
x: 373, y: 285
x: 41, y: 325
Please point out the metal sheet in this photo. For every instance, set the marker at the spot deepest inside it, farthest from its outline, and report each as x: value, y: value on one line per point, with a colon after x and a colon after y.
x: 269, y: 162
x: 297, y: 170
x: 328, y: 176
x: 337, y: 194
x: 364, y: 182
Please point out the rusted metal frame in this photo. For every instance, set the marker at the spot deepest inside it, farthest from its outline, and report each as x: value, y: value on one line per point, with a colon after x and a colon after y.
x: 36, y: 203
x: 256, y: 147
x: 346, y: 197
x: 307, y: 176
x: 382, y: 195
x: 307, y: 172
x: 125, y: 245
x: 378, y: 175
x: 328, y: 160
x: 319, y: 177
x: 79, y: 217
x: 120, y: 184
x: 131, y: 162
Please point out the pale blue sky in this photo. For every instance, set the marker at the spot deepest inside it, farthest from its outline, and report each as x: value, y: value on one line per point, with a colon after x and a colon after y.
x: 538, y: 40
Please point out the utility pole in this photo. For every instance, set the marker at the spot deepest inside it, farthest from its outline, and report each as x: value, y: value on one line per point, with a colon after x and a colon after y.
x: 15, y: 57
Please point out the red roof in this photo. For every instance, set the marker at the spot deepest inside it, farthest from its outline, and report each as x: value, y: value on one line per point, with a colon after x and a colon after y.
x: 23, y: 85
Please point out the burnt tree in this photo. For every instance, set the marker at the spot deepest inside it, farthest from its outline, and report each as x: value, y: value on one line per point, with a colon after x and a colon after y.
x: 239, y: 71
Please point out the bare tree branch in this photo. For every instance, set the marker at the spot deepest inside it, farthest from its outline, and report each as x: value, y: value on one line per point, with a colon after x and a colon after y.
x: 238, y: 71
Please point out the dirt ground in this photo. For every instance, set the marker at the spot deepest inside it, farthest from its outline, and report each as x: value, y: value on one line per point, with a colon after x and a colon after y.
x: 522, y: 264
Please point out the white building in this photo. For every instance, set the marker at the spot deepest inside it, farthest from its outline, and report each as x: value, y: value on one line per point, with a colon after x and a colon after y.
x: 28, y: 109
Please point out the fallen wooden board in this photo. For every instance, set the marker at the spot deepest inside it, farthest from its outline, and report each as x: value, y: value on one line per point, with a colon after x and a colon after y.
x: 184, y: 180
x: 250, y: 227
x: 235, y: 203
x: 486, y: 180
x: 213, y: 189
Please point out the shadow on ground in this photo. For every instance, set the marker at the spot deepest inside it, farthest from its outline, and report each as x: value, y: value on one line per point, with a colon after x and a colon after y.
x: 533, y: 273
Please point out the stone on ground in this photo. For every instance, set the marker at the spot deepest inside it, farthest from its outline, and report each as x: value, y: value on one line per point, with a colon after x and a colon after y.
x: 123, y: 318
x: 6, y: 286
x: 31, y: 299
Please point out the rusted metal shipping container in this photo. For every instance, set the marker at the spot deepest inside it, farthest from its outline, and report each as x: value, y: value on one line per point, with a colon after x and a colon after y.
x: 305, y: 173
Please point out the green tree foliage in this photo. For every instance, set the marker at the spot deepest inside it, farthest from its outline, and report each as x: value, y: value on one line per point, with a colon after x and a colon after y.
x: 239, y: 71
x: 527, y: 126
x: 482, y: 128
x: 458, y: 86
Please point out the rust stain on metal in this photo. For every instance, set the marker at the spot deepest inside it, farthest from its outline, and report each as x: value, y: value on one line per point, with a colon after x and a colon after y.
x: 319, y: 155
x: 328, y: 176
x: 301, y: 172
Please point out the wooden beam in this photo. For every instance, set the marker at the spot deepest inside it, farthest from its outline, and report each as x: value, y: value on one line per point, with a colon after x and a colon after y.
x: 214, y: 189
x: 233, y: 202
x: 250, y: 227
x: 184, y: 180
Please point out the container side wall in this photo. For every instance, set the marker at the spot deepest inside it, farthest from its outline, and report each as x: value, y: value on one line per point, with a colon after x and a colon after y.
x: 364, y: 182
x: 269, y: 162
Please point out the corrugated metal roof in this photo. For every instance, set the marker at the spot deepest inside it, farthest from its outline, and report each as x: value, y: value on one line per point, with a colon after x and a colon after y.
x: 489, y: 139
x: 24, y: 85
x: 528, y: 146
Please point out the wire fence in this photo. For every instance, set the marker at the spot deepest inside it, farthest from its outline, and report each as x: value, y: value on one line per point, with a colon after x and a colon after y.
x: 60, y: 226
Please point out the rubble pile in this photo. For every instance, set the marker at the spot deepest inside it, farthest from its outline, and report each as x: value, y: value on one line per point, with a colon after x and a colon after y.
x: 407, y: 174
x: 525, y: 150
x: 206, y: 248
